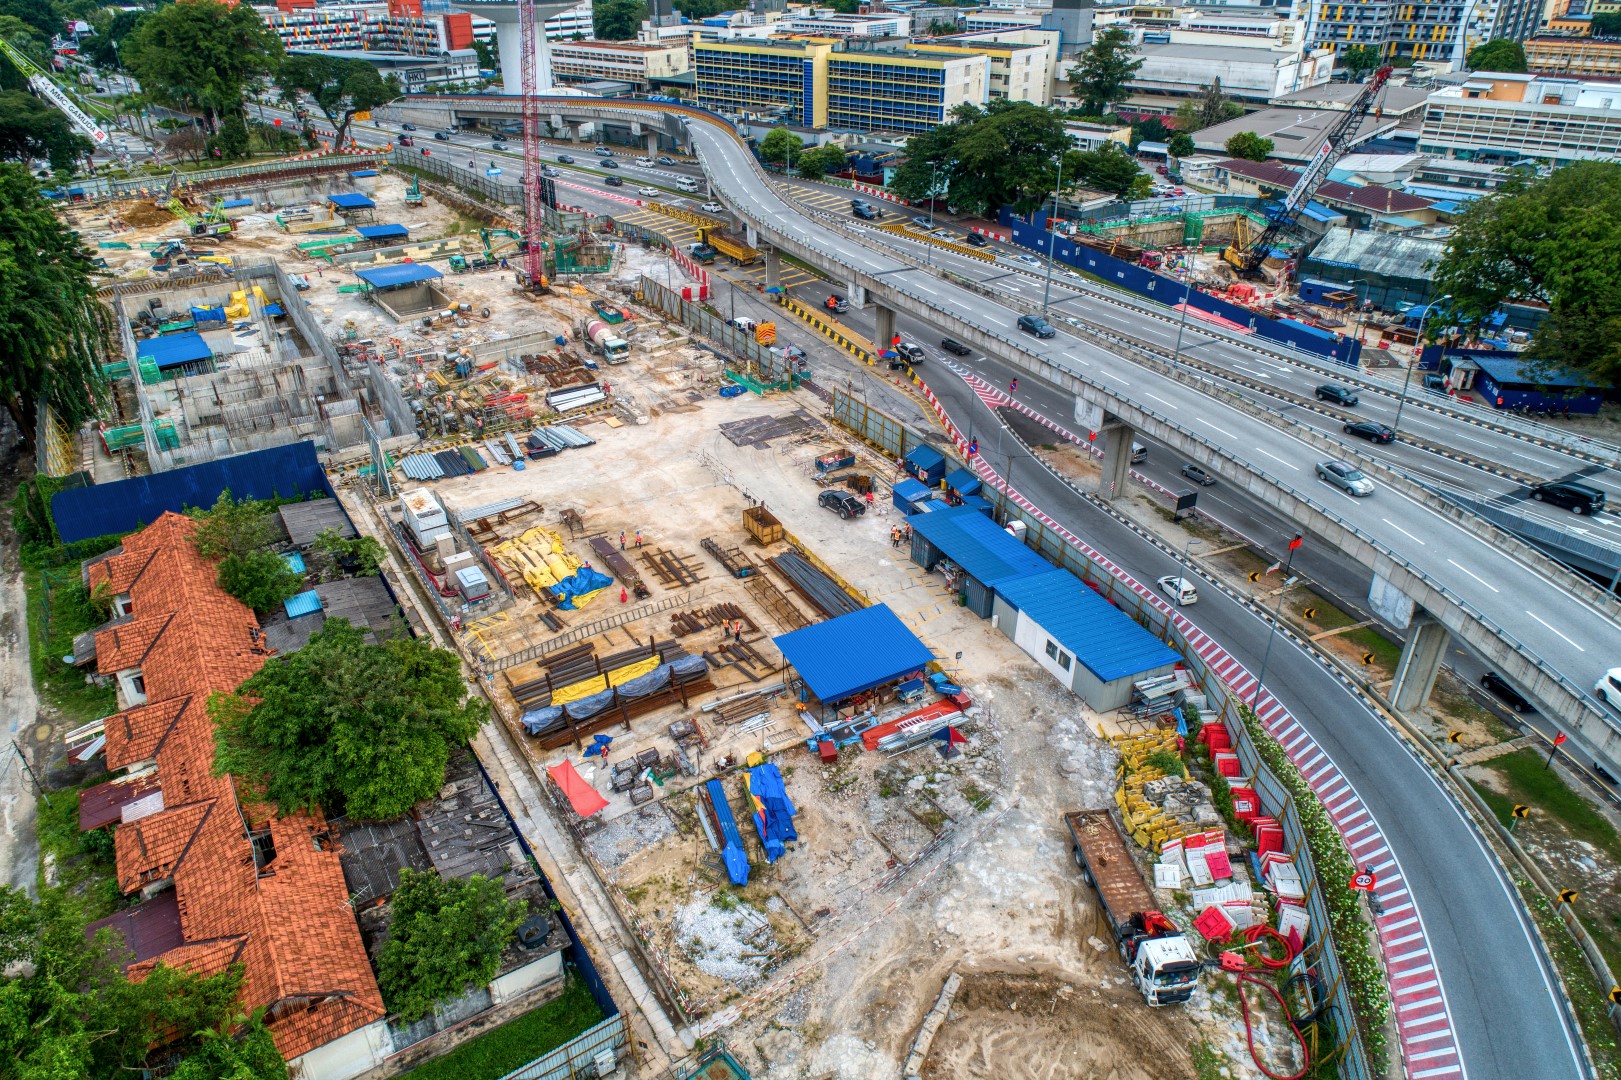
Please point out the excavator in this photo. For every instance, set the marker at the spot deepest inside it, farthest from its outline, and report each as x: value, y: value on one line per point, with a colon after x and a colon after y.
x: 1247, y: 257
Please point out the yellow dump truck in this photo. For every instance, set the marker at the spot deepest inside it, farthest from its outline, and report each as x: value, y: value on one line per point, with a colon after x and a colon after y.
x: 727, y: 244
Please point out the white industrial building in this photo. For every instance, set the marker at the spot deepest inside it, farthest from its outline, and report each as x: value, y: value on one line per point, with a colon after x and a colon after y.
x: 1504, y: 118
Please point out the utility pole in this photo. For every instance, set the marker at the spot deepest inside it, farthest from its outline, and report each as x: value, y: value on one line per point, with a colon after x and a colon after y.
x: 33, y: 777
x: 1418, y: 355
x: 1277, y: 616
x: 1052, y: 236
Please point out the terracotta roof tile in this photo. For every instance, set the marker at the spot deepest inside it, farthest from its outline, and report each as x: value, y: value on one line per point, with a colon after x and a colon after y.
x: 1371, y: 197
x: 134, y: 735
x: 289, y: 921
x: 119, y: 571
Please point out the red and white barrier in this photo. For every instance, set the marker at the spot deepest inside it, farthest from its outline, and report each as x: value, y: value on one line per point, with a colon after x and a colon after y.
x: 992, y: 234
x: 877, y: 193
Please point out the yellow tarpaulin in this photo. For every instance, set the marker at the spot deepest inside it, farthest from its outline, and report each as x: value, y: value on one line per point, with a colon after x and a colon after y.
x: 599, y: 683
x: 537, y: 556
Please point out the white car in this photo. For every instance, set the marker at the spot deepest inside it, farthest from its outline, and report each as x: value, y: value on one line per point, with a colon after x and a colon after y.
x: 1179, y: 589
x: 645, y: 162
x: 1028, y: 260
x: 714, y: 208
x: 650, y: 192
x: 1609, y: 688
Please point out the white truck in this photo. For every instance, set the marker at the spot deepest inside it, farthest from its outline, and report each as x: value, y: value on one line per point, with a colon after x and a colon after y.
x: 606, y: 343
x: 1161, y: 961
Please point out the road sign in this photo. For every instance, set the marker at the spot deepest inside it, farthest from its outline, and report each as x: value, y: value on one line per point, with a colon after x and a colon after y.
x: 1568, y: 896
x: 1255, y: 575
x: 1521, y: 811
x: 1455, y: 737
x: 1367, y: 658
x: 1559, y: 739
x: 1364, y: 880
x: 1309, y: 613
x: 1615, y: 995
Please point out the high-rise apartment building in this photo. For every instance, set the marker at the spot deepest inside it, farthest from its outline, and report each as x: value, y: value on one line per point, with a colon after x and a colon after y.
x: 1440, y: 31
x: 1501, y: 119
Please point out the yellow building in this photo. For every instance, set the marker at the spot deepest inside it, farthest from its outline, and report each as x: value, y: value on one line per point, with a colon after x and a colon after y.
x: 1574, y: 56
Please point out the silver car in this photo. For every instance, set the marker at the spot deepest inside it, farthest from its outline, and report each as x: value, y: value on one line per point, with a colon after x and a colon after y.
x: 1345, y: 477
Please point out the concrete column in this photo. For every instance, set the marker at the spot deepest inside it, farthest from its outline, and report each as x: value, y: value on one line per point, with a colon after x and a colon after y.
x: 1117, y: 438
x: 652, y: 140
x: 855, y: 295
x: 751, y: 236
x: 773, y: 268
x: 885, y: 332
x: 574, y: 132
x: 1421, y: 657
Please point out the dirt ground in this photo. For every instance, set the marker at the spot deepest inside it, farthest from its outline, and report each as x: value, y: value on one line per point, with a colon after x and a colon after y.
x: 19, y: 847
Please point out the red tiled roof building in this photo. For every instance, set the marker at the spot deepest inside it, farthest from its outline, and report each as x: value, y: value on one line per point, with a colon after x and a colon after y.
x: 250, y: 887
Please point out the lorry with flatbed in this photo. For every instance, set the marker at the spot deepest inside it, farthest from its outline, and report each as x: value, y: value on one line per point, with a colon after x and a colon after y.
x: 730, y: 246
x: 1162, y: 962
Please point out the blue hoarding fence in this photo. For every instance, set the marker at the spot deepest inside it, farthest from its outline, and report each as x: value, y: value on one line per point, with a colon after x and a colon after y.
x: 1145, y: 283
x: 280, y: 472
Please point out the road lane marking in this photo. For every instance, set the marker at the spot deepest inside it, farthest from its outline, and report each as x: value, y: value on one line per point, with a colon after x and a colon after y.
x: 1213, y: 427
x: 1567, y: 641
x: 1401, y: 530
x: 1162, y: 401
x: 1256, y: 374
x: 1474, y: 575
x: 1276, y: 458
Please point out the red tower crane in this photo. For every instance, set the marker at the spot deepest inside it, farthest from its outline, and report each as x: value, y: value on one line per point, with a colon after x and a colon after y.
x: 533, y: 275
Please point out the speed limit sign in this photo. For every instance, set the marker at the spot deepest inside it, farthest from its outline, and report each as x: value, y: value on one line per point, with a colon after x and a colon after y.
x: 1363, y: 880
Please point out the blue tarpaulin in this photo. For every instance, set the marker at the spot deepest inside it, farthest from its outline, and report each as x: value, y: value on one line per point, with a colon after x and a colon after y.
x: 207, y: 314
x: 383, y: 232
x: 773, y: 813
x: 294, y: 561
x: 386, y: 277
x: 358, y: 173
x: 351, y: 201
x: 232, y: 204
x: 730, y: 840
x: 853, y: 652
x: 172, y: 350
x: 274, y: 309
x: 582, y: 581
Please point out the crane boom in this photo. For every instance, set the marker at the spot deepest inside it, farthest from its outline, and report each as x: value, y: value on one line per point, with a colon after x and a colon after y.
x: 1248, y: 259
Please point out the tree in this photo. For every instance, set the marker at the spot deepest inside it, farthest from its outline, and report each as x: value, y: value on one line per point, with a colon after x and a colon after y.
x: 780, y: 146
x: 1359, y: 61
x: 1211, y: 109
x: 1248, y: 145
x: 242, y: 1049
x: 1606, y: 24
x: 187, y: 142
x: 338, y: 86
x: 1105, y: 68
x: 1107, y: 169
x: 1003, y: 155
x: 200, y: 55
x: 55, y: 333
x: 348, y: 726
x: 38, y: 14
x: 26, y: 40
x: 1181, y: 145
x: 67, y: 1010
x: 113, y: 28
x: 238, y: 534
x: 31, y: 129
x: 818, y: 161
x: 1499, y: 54
x: 443, y: 936
x: 337, y: 555
x: 617, y: 20
x: 1553, y: 240
x: 489, y: 58
x: 1147, y: 129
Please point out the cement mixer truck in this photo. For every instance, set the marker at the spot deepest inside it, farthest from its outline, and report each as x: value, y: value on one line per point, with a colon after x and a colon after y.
x: 605, y: 342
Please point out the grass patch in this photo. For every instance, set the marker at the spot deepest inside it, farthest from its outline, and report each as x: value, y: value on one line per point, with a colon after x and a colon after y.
x: 56, y: 614
x: 1450, y: 700
x: 1528, y: 781
x: 517, y: 1042
x: 84, y: 861
x: 1592, y: 1009
x: 1329, y: 616
x: 1207, y: 1063
x: 1385, y: 652
x: 975, y: 796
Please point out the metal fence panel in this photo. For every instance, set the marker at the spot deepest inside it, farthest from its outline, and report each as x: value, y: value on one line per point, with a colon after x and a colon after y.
x: 574, y: 1057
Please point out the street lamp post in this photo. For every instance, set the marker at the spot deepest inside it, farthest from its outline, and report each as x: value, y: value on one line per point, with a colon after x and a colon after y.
x: 1277, y: 616
x: 1052, y: 235
x: 934, y: 167
x: 1187, y: 295
x: 1186, y: 548
x: 1418, y: 351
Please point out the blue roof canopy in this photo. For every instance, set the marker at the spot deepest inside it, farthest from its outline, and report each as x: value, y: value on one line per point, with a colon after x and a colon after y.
x: 386, y: 277
x: 172, y: 350
x: 1101, y: 636
x: 911, y: 490
x: 963, y: 482
x: 926, y: 457
x: 350, y: 201
x: 304, y: 603
x: 853, y: 652
x: 986, y: 551
x: 382, y: 232
x: 1509, y: 371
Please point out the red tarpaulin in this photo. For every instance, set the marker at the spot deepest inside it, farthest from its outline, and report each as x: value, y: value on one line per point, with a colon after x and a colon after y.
x: 581, y: 795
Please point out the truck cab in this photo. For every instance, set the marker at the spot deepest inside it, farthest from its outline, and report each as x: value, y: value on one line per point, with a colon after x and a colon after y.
x: 1162, y: 963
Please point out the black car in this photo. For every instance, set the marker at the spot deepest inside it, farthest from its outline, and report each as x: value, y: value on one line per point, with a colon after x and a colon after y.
x: 564, y: 159
x: 613, y: 181
x: 1499, y: 688
x: 442, y: 136
x: 1035, y: 324
x: 843, y: 503
x: 408, y: 127
x: 1434, y: 383
x: 1577, y: 498
x: 608, y: 163
x: 1367, y: 429
x: 952, y: 345
x: 865, y: 212
x: 1339, y: 395
x: 974, y: 239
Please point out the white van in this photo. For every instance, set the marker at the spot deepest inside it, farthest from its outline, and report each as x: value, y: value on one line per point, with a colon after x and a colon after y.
x: 1179, y: 589
x: 686, y: 183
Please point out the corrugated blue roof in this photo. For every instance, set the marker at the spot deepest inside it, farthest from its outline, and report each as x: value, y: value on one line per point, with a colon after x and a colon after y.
x: 926, y: 457
x: 232, y: 204
x: 304, y: 603
x: 989, y: 553
x: 1099, y: 635
x: 383, y: 277
x: 853, y: 652
x: 963, y: 482
x: 294, y: 561
x: 911, y: 490
x: 172, y: 350
x: 364, y: 172
x: 382, y: 232
x: 1508, y: 370
x: 350, y: 201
